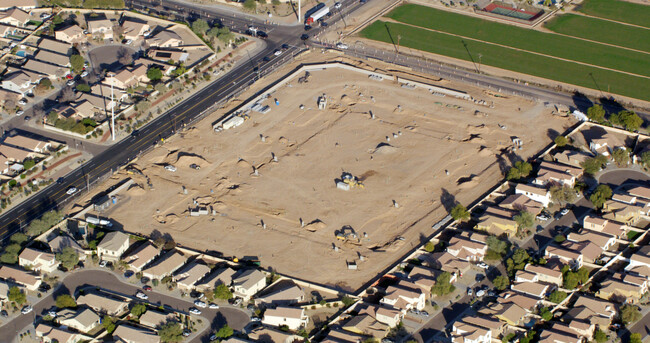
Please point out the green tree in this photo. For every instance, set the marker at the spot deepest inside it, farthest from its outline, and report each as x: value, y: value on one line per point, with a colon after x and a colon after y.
x: 171, y: 332
x: 222, y: 292
x: 77, y: 63
x: 200, y: 26
x: 443, y: 285
x: 459, y: 213
x: 18, y: 238
x: 600, y: 196
x: 621, y: 157
x: 520, y: 170
x: 562, y: 194
x: 430, y: 247
x: 593, y: 165
x: 525, y: 219
x: 629, y: 314
x: 630, y: 120
x: 596, y: 113
x: 138, y: 310
x: 561, y: 141
x: 154, y: 74
x: 559, y: 238
x: 348, y: 301
x: 250, y: 5
x: 557, y: 297
x: 108, y: 324
x: 501, y: 282
x: 645, y: 159
x: 225, y: 332
x: 68, y: 258
x: 600, y: 336
x: 65, y: 301
x: 49, y: 219
x: 52, y: 117
x: 83, y: 87
x: 546, y: 314
x: 16, y: 295
x: 636, y: 338
x: 496, y: 248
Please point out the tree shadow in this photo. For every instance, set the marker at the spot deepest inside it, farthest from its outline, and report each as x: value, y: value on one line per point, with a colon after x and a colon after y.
x: 581, y: 102
x: 552, y: 134
x: 448, y: 200
x: 611, y: 105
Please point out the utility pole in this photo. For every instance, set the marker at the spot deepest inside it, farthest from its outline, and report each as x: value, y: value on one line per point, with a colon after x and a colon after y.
x: 112, y: 109
x: 398, y: 39
x: 299, y: 14
x: 479, y: 62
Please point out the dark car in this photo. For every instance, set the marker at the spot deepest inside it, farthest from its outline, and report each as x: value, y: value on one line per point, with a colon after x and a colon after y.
x: 59, y: 180
x: 285, y: 46
x: 304, y: 36
x: 28, y: 118
x: 307, y: 27
x: 128, y: 273
x: 266, y: 58
x: 147, y: 288
x: 195, y: 166
x: 262, y: 34
x: 4, y: 313
x: 135, y: 133
x: 44, y: 287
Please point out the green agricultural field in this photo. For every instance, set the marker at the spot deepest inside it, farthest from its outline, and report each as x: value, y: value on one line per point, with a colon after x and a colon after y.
x: 506, y: 58
x: 601, y: 30
x: 546, y: 43
x: 618, y: 10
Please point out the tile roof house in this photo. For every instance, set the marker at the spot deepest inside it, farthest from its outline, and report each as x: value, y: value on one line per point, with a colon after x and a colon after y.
x: 70, y: 34
x: 497, y: 221
x: 559, y: 333
x: 639, y: 263
x: 54, y: 46
x: 557, y: 173
x: 189, y: 275
x: 495, y: 326
x: 288, y: 295
x: 572, y: 158
x: 126, y: 78
x: 51, y: 71
x: 83, y: 320
x: 53, y: 58
x: 365, y: 324
x: 546, y: 273
x: 166, y: 55
x: 49, y: 334
x: 527, y: 302
x: 20, y: 81
x: 219, y: 276
x: 404, y: 296
x: 140, y: 257
x: 601, y: 240
x: 606, y: 144
x: 606, y: 226
x: 622, y: 212
x: 340, y: 336
x: 509, y: 313
x: 292, y: 317
x: 640, y: 192
x: 155, y: 319
x: 385, y: 315
x: 520, y: 202
x: 134, y: 28
x: 425, y: 278
x: 58, y: 243
x: 38, y: 260
x: 15, y: 154
x: 570, y: 257
x: 130, y: 334
x: 590, y: 252
x: 21, y: 277
x: 248, y: 282
x: 165, y: 39
x: 463, y: 332
x: 446, y: 262
x: 103, y: 304
x: 533, y: 288
x: 593, y: 310
x: 464, y: 248
x: 166, y: 265
x: 28, y: 143
x: 22, y: 4
x: 623, y: 288
x: 102, y: 27
x: 112, y: 246
x: 15, y: 17
x: 538, y: 194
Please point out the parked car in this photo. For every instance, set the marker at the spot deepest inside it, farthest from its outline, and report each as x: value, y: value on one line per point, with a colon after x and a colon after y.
x: 255, y: 319
x: 564, y: 212
x: 26, y: 309
x: 424, y: 313
x: 84, y: 74
x: 141, y: 295
x: 543, y: 217
x: 285, y: 46
x: 195, y: 166
x: 341, y: 46
x: 213, y: 306
x: 480, y: 293
x: 28, y: 118
x: 45, y: 16
x: 4, y: 313
x: 186, y: 333
x: 147, y: 288
x: 22, y: 101
x: 103, y: 264
x: 277, y: 52
x: 52, y: 311
x: 70, y: 191
x: 337, y: 5
x: 483, y: 265
x: 170, y: 168
x: 470, y: 291
x: 304, y: 36
x: 70, y: 83
x: 237, y: 302
x: 194, y: 310
x: 200, y: 303
x: 20, y: 112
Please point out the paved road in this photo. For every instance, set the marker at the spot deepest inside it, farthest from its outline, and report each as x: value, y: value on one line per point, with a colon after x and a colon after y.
x: 234, y: 317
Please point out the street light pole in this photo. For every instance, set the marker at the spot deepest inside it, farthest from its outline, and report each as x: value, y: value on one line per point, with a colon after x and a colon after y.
x: 112, y: 109
x: 299, y: 14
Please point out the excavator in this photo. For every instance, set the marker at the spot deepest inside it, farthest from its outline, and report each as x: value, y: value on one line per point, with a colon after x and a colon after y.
x: 351, y: 180
x: 347, y: 234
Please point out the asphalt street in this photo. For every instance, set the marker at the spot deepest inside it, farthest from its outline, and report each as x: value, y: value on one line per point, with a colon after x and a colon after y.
x: 91, y: 278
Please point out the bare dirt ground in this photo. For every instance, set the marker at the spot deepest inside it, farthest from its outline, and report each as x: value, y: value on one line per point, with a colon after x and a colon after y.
x: 403, y: 156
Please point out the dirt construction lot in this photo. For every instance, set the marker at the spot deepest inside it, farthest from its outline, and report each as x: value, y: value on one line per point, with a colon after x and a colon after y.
x: 422, y: 151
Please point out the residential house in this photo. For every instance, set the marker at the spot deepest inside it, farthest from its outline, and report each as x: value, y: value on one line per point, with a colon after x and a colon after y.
x: 54, y: 46
x: 593, y: 310
x: 582, y: 329
x: 165, y: 39
x: 589, y: 251
x: 175, y: 56
x: 495, y: 326
x: 84, y: 109
x: 287, y: 294
x: 248, y: 282
x: 7, y: 31
x: 131, y: 334
x: 601, y: 240
x: 113, y: 245
x: 70, y: 34
x: 134, y: 28
x: 527, y: 302
x: 262, y: 334
x: 533, y: 288
x: 20, y: 81
x: 573, y: 258
x: 339, y: 336
x: 40, y: 146
x: 464, y: 248
x: 51, y: 334
x: 404, y: 296
x: 126, y: 78
x: 58, y: 243
x: 606, y: 144
x: 155, y: 319
x: 640, y: 192
x: 53, y: 58
x: 546, y: 273
x: 365, y: 324
x: 463, y: 332
x: 640, y: 263
x: 22, y: 4
x: 101, y: 27
x: 189, y: 275
x: 292, y: 317
x: 48, y: 70
x: 15, y: 17
x: 520, y: 202
x: 140, y: 257
x: 559, y: 333
x: 622, y: 212
x: 4, y: 292
x: 385, y: 315
x: 425, y: 278
x: 20, y: 277
x: 166, y: 265
x: 497, y: 221
x: 572, y: 158
x: 610, y: 227
x: 38, y: 260
x: 623, y: 288
x: 98, y: 101
x: 509, y: 313
x: 83, y: 320
x: 219, y: 276
x: 15, y: 154
x: 557, y: 173
x: 538, y: 194
x: 624, y: 198
x: 103, y: 303
x: 445, y: 262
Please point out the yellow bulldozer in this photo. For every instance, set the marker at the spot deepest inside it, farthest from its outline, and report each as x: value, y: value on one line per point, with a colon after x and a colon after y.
x: 347, y: 234
x: 351, y: 180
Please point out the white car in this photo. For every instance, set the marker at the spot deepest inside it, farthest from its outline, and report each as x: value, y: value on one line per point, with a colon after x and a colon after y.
x: 200, y: 304
x: 337, y: 5
x: 70, y: 83
x: 45, y: 15
x: 22, y: 102
x: 483, y: 265
x: 128, y: 42
x: 142, y: 296
x: 170, y: 168
x: 480, y: 293
x: 277, y: 52
x: 255, y: 319
x: 84, y: 74
x: 213, y: 306
x: 103, y: 264
x: 195, y: 311
x: 341, y: 46
x: 26, y: 309
x: 71, y: 190
x: 20, y: 113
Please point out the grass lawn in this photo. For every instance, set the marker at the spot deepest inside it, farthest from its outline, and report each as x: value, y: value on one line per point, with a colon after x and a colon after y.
x: 506, y: 58
x: 632, y: 235
x: 601, y: 30
x: 546, y: 43
x: 618, y: 10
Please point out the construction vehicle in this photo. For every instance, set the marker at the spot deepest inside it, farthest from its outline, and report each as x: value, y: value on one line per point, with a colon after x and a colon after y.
x: 351, y: 180
x: 347, y: 234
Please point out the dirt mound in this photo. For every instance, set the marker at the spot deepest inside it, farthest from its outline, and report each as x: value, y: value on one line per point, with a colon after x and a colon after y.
x: 384, y: 149
x: 346, y: 100
x: 468, y: 182
x: 285, y: 141
x: 474, y: 138
x: 484, y: 151
x: 242, y: 163
x: 184, y: 159
x: 315, y: 225
x: 170, y: 218
x: 136, y: 190
x: 477, y: 129
x: 205, y: 200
